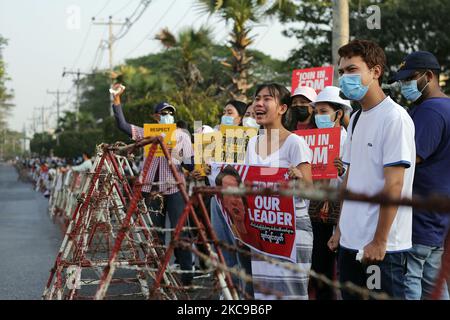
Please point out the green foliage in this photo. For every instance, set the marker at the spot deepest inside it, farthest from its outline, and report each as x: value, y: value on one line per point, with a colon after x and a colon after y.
x: 406, y: 26
x: 42, y: 144
x: 72, y: 145
x: 95, y: 96
x: 5, y: 95
x: 189, y: 73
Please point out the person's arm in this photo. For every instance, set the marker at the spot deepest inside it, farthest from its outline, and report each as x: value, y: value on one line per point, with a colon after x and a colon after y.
x: 428, y: 137
x: 188, y: 166
x: 85, y: 166
x: 122, y: 124
x: 376, y: 250
x: 333, y: 243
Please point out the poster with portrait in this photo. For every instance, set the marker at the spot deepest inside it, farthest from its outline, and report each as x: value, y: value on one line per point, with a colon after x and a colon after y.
x: 264, y: 223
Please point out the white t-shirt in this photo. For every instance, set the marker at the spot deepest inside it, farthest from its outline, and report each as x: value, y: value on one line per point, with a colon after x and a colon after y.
x: 383, y: 137
x: 335, y: 183
x: 293, y: 152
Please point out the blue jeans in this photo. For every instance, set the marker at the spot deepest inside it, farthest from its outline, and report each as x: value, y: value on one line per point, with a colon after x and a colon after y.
x: 392, y: 273
x: 424, y: 263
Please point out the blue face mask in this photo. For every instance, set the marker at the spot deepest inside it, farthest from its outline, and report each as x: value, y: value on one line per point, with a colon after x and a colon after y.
x: 323, y: 121
x: 410, y: 90
x: 227, y: 120
x: 167, y: 119
x: 352, y: 87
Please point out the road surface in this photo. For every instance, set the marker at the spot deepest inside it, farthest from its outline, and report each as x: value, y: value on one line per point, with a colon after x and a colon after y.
x: 29, y: 240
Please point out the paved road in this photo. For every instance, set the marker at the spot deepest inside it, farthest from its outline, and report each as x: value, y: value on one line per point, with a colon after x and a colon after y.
x: 29, y: 240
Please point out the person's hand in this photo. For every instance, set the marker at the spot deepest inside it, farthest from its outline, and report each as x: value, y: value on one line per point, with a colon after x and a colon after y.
x: 196, y: 175
x: 339, y: 165
x: 374, y: 252
x: 207, y: 169
x: 119, y: 91
x: 333, y: 243
x: 295, y: 173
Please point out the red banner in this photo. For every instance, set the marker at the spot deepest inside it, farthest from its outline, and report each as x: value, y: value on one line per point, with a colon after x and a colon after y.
x: 316, y: 78
x: 325, y: 145
x: 264, y: 223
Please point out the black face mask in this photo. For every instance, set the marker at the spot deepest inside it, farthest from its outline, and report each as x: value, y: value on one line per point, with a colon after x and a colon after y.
x: 300, y: 113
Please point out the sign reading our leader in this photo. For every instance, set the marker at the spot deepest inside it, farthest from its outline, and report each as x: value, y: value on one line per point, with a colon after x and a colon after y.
x: 167, y: 131
x: 264, y: 223
x: 325, y: 145
x: 316, y: 78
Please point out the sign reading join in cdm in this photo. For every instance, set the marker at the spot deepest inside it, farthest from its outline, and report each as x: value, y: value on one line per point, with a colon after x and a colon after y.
x: 316, y: 78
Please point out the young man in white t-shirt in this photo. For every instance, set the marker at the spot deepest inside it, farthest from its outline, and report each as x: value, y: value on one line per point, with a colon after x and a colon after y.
x: 381, y: 156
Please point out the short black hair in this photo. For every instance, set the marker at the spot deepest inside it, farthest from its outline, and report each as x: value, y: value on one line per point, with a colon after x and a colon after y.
x: 87, y: 154
x: 181, y: 124
x: 228, y: 171
x: 281, y: 94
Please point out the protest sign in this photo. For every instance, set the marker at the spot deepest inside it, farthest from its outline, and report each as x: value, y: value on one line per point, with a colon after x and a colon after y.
x: 264, y: 223
x: 325, y: 145
x: 167, y: 131
x: 316, y: 78
x: 235, y: 140
x: 207, y: 148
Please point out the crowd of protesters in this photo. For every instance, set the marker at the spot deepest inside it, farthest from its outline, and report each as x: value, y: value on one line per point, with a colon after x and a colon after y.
x: 385, y: 148
x: 42, y: 171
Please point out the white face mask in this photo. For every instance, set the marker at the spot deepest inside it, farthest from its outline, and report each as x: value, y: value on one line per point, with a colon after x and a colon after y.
x: 167, y: 119
x: 249, y: 122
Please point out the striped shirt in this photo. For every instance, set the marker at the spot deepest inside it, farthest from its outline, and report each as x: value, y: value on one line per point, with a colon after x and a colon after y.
x: 182, y: 152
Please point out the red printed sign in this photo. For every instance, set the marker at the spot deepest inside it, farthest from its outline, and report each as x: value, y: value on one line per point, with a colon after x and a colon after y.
x: 325, y: 145
x: 316, y: 78
x: 264, y: 223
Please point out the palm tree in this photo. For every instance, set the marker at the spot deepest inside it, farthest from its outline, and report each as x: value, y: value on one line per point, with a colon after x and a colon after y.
x: 243, y: 13
x: 192, y: 46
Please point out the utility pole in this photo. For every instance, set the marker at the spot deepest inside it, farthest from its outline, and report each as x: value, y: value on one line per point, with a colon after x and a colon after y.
x: 341, y: 31
x: 111, y: 41
x: 77, y: 74
x: 42, y: 111
x: 58, y: 94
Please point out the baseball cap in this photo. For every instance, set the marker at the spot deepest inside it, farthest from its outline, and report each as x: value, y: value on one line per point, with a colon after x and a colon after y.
x: 308, y: 92
x: 164, y: 105
x: 415, y: 61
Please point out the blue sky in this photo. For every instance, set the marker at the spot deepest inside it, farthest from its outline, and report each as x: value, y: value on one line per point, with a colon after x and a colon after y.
x: 44, y: 38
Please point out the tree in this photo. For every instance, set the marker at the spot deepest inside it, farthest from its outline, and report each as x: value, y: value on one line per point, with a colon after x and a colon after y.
x: 406, y: 26
x: 95, y: 95
x: 5, y: 95
x: 42, y: 144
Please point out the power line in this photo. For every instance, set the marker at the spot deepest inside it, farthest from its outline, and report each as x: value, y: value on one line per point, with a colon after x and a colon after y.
x: 123, y: 7
x: 152, y: 30
x: 104, y: 7
x: 82, y: 46
x: 130, y: 21
x: 183, y: 17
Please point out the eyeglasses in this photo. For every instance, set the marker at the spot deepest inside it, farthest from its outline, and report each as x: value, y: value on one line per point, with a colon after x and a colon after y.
x: 166, y: 112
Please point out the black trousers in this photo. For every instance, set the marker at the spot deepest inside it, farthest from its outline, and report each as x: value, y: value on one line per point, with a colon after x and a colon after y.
x: 323, y: 260
x: 173, y: 206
